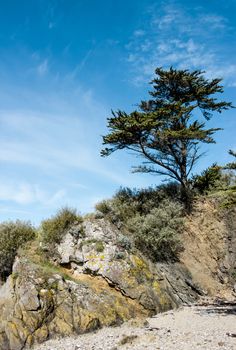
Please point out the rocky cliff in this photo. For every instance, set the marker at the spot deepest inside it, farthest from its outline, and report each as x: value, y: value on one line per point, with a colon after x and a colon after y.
x: 95, y: 277
x: 210, y: 247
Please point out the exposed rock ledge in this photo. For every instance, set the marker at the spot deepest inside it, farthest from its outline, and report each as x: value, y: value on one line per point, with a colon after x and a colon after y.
x: 96, y: 281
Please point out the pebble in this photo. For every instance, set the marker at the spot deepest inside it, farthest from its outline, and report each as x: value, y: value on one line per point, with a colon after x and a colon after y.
x: 188, y: 328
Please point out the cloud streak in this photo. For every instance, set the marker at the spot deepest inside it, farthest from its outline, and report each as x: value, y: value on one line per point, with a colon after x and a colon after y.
x: 25, y: 194
x: 28, y: 144
x: 42, y: 68
x: 184, y: 39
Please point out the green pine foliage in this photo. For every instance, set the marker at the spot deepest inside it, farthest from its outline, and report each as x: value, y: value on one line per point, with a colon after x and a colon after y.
x: 166, y: 130
x: 208, y: 180
x: 232, y: 165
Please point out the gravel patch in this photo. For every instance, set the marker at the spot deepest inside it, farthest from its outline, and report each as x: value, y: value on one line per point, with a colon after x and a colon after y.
x: 188, y: 328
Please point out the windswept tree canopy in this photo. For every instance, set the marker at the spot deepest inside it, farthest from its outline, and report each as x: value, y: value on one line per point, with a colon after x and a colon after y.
x: 167, y: 130
x: 232, y: 165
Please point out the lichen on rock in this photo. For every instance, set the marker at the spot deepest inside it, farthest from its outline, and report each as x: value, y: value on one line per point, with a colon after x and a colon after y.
x: 84, y: 289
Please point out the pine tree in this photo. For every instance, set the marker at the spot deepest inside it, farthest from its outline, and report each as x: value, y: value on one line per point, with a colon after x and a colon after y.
x: 167, y: 130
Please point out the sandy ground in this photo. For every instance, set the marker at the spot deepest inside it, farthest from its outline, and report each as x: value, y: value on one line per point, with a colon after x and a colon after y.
x: 188, y: 328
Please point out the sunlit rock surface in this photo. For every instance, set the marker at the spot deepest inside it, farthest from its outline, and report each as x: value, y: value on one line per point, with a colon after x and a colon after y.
x: 96, y: 278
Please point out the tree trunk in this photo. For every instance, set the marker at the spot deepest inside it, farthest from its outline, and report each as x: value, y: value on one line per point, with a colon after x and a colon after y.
x: 186, y: 197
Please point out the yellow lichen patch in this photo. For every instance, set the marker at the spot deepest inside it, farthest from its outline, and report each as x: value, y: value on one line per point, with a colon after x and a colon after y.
x: 95, y: 263
x: 163, y: 298
x: 96, y: 283
x: 31, y: 319
x: 88, y: 320
x: 118, y: 306
x: 91, y: 257
x: 107, y: 314
x: 140, y: 267
x: 17, y: 334
x: 41, y: 334
x: 129, y: 279
x: 30, y: 341
x: 165, y: 302
x: 156, y: 287
x: 124, y: 310
x: 59, y: 326
x: 63, y: 312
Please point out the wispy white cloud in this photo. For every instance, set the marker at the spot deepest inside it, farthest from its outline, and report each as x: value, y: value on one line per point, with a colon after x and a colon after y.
x: 51, y: 139
x: 25, y: 193
x: 139, y: 32
x: 10, y: 210
x: 42, y: 68
x: 76, y: 71
x: 172, y: 15
x: 215, y: 21
x: 183, y: 39
x: 52, y: 143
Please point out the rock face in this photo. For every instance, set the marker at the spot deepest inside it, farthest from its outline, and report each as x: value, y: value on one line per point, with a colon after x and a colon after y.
x: 210, y: 247
x: 98, y: 279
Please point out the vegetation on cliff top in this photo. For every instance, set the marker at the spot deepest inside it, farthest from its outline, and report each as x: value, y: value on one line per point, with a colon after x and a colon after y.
x: 12, y: 236
x: 151, y: 218
x: 154, y: 217
x: 166, y: 131
x: 54, y: 228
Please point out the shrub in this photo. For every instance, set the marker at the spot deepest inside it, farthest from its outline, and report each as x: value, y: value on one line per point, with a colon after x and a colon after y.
x: 230, y: 193
x: 12, y: 236
x: 103, y: 207
x: 157, y: 233
x: 218, y: 180
x: 152, y: 219
x: 208, y: 180
x: 126, y: 203
x: 54, y: 229
x: 124, y: 242
x: 116, y: 210
x: 99, y: 247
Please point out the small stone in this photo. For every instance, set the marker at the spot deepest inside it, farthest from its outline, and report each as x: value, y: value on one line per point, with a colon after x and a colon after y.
x: 221, y: 343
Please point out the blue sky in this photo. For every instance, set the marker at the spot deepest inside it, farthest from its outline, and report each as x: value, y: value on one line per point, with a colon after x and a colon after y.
x: 65, y: 64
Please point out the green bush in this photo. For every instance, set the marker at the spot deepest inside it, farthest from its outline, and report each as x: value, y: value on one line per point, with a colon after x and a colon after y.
x: 157, y: 234
x: 219, y: 181
x: 126, y: 203
x: 209, y: 179
x: 99, y: 247
x: 124, y: 242
x: 116, y: 210
x: 230, y: 191
x: 54, y: 229
x: 103, y: 207
x: 152, y: 218
x: 12, y: 236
